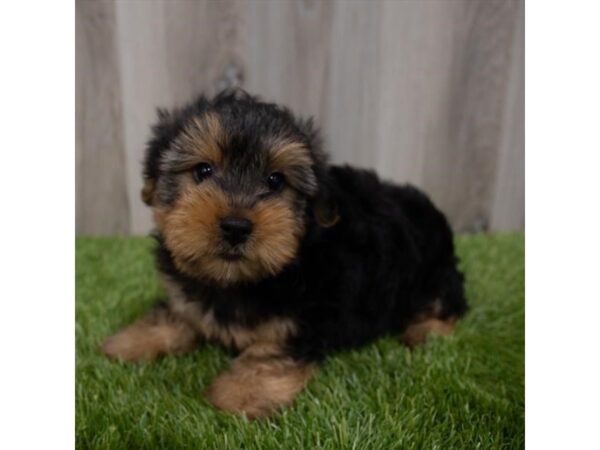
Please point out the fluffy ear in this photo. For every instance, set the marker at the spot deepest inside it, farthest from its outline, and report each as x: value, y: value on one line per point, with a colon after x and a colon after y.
x: 148, y: 191
x: 324, y: 208
x: 163, y: 132
x: 323, y: 205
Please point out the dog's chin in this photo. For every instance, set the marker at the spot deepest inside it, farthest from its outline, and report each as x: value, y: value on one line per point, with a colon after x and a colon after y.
x: 226, y: 265
x: 225, y: 268
x: 232, y: 256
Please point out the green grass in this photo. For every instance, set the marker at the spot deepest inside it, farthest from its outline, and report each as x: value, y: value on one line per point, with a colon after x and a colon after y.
x: 462, y: 392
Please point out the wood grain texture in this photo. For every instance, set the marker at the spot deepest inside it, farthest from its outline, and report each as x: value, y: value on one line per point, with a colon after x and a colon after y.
x: 350, y: 123
x: 508, y: 207
x: 286, y: 48
x: 145, y: 81
x: 427, y: 92
x: 101, y: 198
x: 460, y: 173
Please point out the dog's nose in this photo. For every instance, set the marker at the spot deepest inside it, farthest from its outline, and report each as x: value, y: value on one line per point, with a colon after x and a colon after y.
x: 236, y: 229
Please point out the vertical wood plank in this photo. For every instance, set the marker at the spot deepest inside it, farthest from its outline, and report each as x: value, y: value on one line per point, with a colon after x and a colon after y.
x: 351, y: 133
x: 101, y: 196
x: 286, y: 47
x: 144, y: 78
x: 203, y: 47
x: 461, y: 176
x: 417, y: 44
x: 508, y: 207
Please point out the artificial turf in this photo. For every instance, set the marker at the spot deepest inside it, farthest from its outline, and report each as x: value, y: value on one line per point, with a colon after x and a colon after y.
x: 461, y: 392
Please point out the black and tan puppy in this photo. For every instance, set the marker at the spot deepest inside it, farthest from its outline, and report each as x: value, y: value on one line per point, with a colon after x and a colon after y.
x: 269, y: 251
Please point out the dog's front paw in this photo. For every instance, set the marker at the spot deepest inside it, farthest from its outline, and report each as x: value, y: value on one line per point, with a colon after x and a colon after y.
x: 258, y: 387
x: 238, y: 396
x: 144, y: 341
x: 129, y: 345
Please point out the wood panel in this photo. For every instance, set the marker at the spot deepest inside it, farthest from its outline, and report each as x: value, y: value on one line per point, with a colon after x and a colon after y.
x: 460, y: 168
x: 350, y: 123
x: 429, y: 92
x: 101, y: 198
x: 508, y: 207
x: 286, y: 49
x: 145, y: 81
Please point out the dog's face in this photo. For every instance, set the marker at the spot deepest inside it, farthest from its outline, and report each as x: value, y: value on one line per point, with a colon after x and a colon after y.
x: 232, y: 184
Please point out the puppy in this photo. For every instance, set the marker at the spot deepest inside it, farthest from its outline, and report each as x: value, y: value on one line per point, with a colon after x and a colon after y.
x: 267, y: 250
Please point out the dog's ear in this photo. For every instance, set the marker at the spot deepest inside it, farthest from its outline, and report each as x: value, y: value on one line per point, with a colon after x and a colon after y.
x: 148, y: 191
x: 163, y: 133
x: 324, y: 208
x: 322, y: 204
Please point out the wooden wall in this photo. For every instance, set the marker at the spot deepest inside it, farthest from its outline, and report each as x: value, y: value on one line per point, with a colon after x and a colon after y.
x: 424, y: 91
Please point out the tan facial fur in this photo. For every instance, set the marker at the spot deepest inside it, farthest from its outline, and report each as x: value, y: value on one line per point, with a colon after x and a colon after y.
x: 293, y: 159
x: 286, y: 156
x: 277, y: 235
x: 191, y: 230
x: 201, y: 141
x: 289, y: 153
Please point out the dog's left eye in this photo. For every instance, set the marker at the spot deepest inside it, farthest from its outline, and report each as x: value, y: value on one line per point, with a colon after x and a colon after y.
x: 202, y: 171
x: 275, y: 181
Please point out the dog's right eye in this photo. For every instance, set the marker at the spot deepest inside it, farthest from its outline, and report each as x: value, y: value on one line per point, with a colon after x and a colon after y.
x: 202, y: 171
x: 275, y: 181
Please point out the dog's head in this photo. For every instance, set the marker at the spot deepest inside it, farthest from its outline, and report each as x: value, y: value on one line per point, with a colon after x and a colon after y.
x: 233, y: 183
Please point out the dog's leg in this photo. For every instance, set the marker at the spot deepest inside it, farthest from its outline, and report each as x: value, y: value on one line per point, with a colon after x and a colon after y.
x: 260, y: 381
x: 428, y: 323
x: 159, y: 333
x: 416, y: 333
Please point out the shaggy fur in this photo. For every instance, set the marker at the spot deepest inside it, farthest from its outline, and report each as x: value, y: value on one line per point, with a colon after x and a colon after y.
x: 320, y: 258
